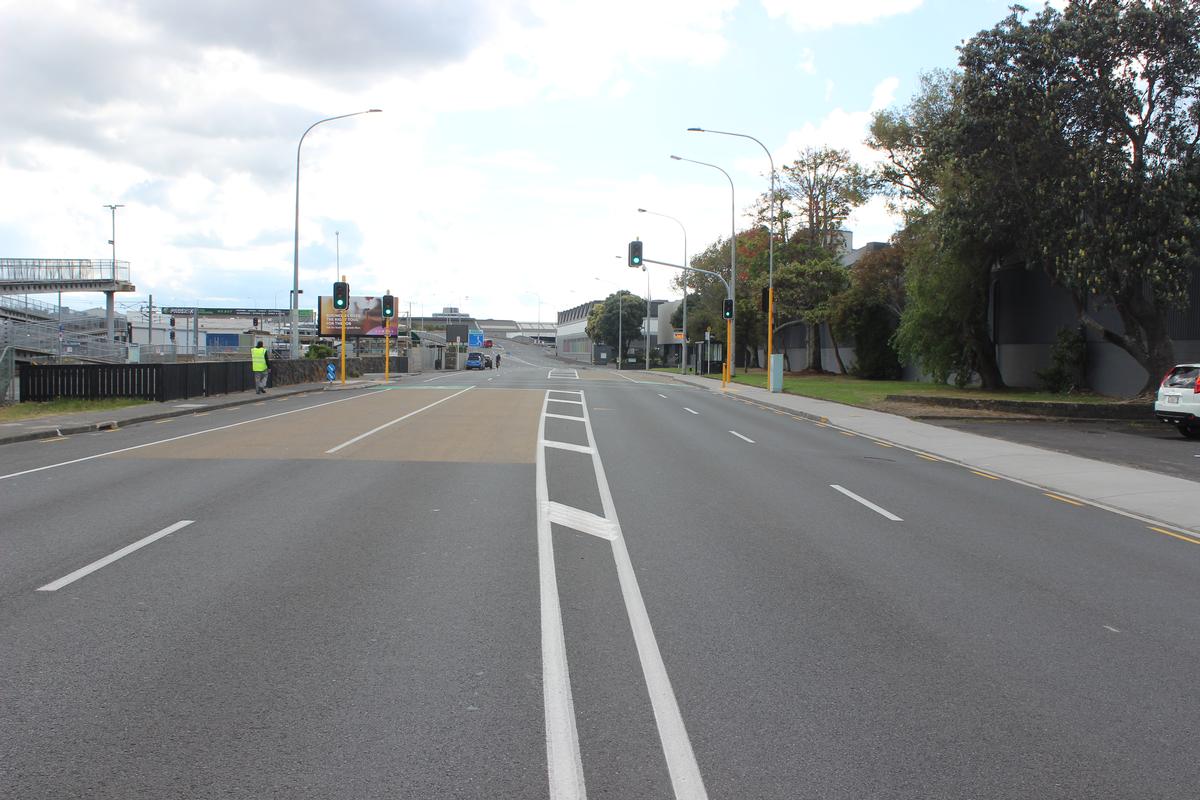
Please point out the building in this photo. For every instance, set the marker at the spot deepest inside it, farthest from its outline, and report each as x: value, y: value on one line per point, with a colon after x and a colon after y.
x: 570, y: 332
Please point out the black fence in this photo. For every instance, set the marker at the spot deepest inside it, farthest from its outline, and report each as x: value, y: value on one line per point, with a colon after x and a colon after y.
x: 40, y: 382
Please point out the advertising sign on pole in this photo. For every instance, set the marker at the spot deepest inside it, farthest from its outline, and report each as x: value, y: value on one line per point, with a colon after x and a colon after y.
x: 364, y: 317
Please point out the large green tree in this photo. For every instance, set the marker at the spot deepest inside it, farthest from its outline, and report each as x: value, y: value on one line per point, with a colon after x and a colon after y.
x: 804, y: 295
x: 617, y: 320
x: 1079, y: 146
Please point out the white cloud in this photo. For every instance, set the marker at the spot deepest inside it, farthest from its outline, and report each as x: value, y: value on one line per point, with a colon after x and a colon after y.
x: 808, y: 64
x: 817, y: 15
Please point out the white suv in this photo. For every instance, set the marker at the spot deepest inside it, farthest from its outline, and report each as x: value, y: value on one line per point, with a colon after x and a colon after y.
x: 1178, y: 400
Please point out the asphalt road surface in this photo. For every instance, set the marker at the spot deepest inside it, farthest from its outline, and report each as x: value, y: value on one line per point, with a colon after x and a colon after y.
x: 548, y: 582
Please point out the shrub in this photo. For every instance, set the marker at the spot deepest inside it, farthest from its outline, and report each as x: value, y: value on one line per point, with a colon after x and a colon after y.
x: 1067, y: 360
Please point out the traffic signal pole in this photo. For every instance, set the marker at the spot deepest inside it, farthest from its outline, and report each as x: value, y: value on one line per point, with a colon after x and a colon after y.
x: 345, y: 313
x: 728, y: 294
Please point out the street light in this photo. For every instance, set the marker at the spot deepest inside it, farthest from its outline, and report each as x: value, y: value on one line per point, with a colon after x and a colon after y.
x: 732, y: 258
x: 770, y: 256
x: 683, y: 348
x: 295, y: 315
x: 109, y: 313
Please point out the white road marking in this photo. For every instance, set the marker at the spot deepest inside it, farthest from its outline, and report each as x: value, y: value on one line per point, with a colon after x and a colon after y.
x: 573, y: 402
x: 685, y: 408
x: 867, y: 503
x: 439, y: 377
x: 108, y: 559
x: 1111, y: 628
x: 362, y: 436
x: 564, y: 416
x: 181, y: 436
x: 580, y: 520
x: 663, y: 396
x: 563, y: 763
x: 677, y: 748
x: 575, y: 448
x: 743, y: 438
x: 572, y: 374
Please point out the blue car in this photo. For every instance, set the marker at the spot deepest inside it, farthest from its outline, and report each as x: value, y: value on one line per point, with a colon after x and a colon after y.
x: 474, y: 361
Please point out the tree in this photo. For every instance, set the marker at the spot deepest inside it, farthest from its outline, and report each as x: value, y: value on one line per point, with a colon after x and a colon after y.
x: 825, y: 185
x: 957, y: 233
x: 617, y: 320
x: 1083, y: 127
x: 870, y: 310
x: 804, y: 294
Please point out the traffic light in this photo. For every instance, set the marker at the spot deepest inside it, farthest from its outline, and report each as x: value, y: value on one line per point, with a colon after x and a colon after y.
x: 172, y: 322
x: 766, y: 300
x: 635, y: 253
x: 255, y: 323
x: 172, y: 336
x: 727, y: 309
x: 341, y: 295
x: 389, y: 306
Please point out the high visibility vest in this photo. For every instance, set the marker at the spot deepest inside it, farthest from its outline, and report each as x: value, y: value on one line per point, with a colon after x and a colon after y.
x: 258, y: 359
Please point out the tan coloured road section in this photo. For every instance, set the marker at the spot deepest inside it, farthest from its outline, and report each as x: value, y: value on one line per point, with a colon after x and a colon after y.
x: 482, y: 425
x: 305, y: 434
x: 485, y: 426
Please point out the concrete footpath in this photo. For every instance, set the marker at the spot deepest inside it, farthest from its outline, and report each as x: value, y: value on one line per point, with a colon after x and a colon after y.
x: 88, y: 421
x: 1147, y: 496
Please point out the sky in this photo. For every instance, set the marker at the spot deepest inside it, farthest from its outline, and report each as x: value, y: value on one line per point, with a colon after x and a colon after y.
x: 516, y: 142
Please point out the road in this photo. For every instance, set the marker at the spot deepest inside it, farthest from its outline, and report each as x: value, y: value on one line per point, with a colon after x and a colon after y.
x: 544, y: 581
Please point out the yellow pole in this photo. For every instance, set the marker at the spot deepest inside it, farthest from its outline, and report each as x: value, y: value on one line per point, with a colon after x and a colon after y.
x: 345, y: 313
x: 728, y: 351
x: 386, y: 355
x: 770, y: 337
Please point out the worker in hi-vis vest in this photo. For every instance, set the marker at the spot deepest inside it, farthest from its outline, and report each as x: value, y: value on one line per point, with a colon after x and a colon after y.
x: 261, y: 366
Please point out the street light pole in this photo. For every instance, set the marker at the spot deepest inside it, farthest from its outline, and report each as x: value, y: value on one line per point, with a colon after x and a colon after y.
x: 683, y: 349
x: 109, y: 310
x: 732, y: 259
x: 770, y: 255
x: 295, y: 315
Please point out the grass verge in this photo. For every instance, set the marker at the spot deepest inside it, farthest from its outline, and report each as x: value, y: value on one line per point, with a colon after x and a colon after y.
x: 866, y: 394
x: 20, y: 411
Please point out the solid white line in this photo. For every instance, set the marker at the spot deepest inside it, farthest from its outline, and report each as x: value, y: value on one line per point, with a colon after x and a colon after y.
x: 685, y: 408
x: 563, y: 763
x: 744, y: 438
x: 575, y: 448
x: 572, y: 402
x: 867, y: 503
x: 362, y: 436
x: 182, y: 436
x: 677, y: 748
x: 564, y: 416
x: 575, y: 392
x: 439, y: 377
x: 103, y: 562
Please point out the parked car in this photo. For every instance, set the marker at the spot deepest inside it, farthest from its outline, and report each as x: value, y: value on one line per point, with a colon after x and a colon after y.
x: 474, y: 361
x: 1178, y: 401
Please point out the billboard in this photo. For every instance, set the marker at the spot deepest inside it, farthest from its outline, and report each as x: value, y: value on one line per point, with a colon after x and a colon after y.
x: 364, y: 317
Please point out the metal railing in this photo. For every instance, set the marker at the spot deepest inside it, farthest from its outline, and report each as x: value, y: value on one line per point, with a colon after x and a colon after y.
x: 44, y: 337
x: 25, y: 305
x: 63, y: 269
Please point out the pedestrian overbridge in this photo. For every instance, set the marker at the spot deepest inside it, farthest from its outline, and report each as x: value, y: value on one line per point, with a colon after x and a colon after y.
x: 42, y: 275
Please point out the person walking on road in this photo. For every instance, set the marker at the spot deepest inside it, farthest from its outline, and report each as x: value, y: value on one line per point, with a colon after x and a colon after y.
x: 261, y: 365
x: 497, y: 361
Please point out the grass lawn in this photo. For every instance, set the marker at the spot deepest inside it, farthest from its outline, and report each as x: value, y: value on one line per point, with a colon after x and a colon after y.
x: 62, y: 406
x: 859, y: 392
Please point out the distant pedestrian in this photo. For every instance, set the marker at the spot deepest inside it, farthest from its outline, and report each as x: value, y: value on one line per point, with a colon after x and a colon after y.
x: 261, y: 365
x: 497, y: 361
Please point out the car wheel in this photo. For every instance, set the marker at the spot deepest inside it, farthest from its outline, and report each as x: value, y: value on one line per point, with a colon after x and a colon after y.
x: 1190, y: 431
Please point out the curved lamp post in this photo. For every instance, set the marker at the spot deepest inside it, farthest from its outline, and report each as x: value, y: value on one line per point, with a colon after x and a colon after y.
x: 770, y: 254
x: 295, y: 315
x: 683, y: 348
